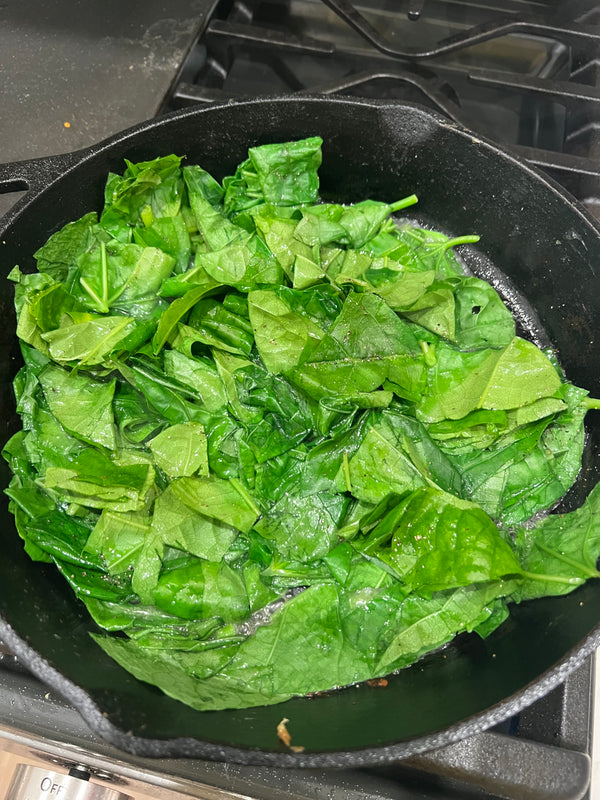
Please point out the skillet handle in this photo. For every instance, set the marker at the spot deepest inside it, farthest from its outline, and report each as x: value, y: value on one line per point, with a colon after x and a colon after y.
x: 509, y: 767
x: 35, y: 174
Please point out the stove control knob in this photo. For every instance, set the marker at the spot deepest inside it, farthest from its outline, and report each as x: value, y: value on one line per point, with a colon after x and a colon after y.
x: 38, y: 783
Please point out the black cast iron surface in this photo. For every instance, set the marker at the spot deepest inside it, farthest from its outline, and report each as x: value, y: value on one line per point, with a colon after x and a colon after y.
x: 535, y: 244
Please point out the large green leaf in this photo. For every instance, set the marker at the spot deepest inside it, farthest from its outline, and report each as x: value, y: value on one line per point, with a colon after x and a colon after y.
x: 560, y: 552
x: 349, y: 225
x: 287, y: 173
x: 147, y: 189
x: 463, y: 381
x: 82, y: 406
x: 178, y: 525
x: 175, y: 313
x: 441, y: 542
x: 89, y: 342
x: 427, y: 624
x: 201, y: 590
x: 96, y: 481
x: 218, y: 499
x: 117, y: 538
x: 367, y: 346
x: 180, y: 450
x: 120, y: 276
x: 60, y: 253
x: 288, y: 323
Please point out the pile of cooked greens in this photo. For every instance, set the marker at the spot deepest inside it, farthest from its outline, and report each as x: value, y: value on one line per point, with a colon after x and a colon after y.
x: 261, y: 431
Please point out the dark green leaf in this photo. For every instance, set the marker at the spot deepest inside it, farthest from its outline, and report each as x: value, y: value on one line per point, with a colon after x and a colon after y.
x: 82, y: 406
x: 63, y: 248
x: 441, y: 543
x: 560, y: 552
x: 288, y: 324
x: 218, y: 499
x: 206, y: 589
x: 287, y: 173
x: 367, y: 346
x: 427, y: 624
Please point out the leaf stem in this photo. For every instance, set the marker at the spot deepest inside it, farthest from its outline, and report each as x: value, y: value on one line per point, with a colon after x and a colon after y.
x: 241, y: 490
x: 350, y: 530
x: 104, y: 273
x: 469, y: 239
x: 346, y: 471
x: 404, y: 203
x: 583, y: 568
x: 428, y: 353
x: 539, y: 576
x: 101, y: 305
x: 591, y: 403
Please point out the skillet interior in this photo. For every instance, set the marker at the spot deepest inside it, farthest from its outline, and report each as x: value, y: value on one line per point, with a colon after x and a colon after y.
x: 547, y: 249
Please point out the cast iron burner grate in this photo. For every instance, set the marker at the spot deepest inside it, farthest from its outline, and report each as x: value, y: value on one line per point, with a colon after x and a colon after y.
x: 525, y: 74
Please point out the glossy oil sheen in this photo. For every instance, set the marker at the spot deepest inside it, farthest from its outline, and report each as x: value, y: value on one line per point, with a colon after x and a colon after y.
x: 537, y: 247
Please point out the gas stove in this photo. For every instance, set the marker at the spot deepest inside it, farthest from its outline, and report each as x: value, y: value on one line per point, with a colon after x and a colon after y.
x: 523, y: 73
x: 543, y: 753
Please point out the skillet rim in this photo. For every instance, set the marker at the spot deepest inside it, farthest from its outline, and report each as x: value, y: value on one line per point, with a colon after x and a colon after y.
x: 53, y: 169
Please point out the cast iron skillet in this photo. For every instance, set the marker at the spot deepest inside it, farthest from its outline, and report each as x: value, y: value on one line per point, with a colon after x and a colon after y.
x: 547, y: 250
